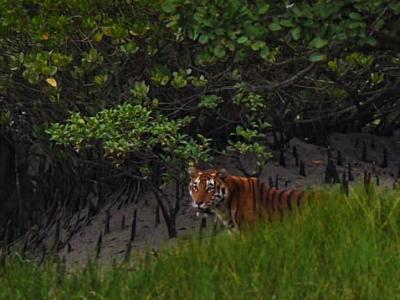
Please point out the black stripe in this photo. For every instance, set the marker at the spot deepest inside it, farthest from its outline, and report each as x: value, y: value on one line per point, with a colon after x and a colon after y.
x: 228, y: 206
x: 299, y: 198
x: 278, y: 194
x: 271, y: 193
x: 236, y: 216
x: 267, y: 191
x: 235, y: 189
x: 240, y: 187
x: 261, y: 195
x: 218, y: 192
x: 289, y: 200
x: 253, y: 195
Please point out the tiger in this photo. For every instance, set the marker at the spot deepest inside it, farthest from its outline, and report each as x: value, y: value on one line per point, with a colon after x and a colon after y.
x: 240, y: 201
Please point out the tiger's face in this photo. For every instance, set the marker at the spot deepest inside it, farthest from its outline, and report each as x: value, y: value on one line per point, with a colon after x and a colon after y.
x: 207, y: 189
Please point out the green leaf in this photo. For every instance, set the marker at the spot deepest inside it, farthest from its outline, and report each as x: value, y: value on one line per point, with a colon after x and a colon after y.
x: 377, y: 78
x: 210, y: 101
x: 101, y: 79
x: 378, y: 25
x: 130, y: 48
x: 296, y: 32
x: 333, y: 65
x: 371, y: 41
x: 315, y: 57
x: 169, y: 6
x: 323, y: 10
x: 274, y: 26
x: 354, y: 25
x: 355, y: 16
x: 264, y: 52
x: 318, y: 43
x: 297, y: 11
x: 193, y: 34
x: 219, y: 51
x: 242, y: 40
x: 203, y: 39
x: 263, y: 9
x: 257, y: 45
x: 287, y: 23
x: 53, y: 70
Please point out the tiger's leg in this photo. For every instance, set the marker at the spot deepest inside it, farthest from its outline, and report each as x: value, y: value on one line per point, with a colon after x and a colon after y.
x: 223, y: 214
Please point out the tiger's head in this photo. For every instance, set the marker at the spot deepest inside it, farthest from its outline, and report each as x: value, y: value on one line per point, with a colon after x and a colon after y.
x: 208, y: 189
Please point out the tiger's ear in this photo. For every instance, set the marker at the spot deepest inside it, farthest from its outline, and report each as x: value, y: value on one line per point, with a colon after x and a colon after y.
x: 192, y: 171
x: 223, y: 173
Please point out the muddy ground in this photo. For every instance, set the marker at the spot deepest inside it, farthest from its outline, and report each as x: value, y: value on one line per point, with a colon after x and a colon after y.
x: 82, y: 245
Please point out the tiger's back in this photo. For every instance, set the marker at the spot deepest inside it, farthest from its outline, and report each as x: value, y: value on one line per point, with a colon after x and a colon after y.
x: 240, y: 201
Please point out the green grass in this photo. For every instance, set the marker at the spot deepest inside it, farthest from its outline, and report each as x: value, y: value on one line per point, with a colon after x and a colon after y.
x: 337, y: 248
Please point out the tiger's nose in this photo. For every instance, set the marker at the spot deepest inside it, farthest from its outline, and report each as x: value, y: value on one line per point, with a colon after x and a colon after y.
x: 200, y: 203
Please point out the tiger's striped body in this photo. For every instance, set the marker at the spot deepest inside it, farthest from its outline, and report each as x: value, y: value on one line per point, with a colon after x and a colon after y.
x: 239, y: 201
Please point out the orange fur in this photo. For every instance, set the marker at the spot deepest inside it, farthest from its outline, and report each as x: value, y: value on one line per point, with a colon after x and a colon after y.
x: 240, y: 201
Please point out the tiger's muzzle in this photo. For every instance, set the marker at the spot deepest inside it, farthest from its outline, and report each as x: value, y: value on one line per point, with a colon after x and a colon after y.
x: 203, y: 207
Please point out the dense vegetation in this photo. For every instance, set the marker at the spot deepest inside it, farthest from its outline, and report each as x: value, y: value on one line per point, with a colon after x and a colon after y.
x: 339, y: 247
x: 135, y: 90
